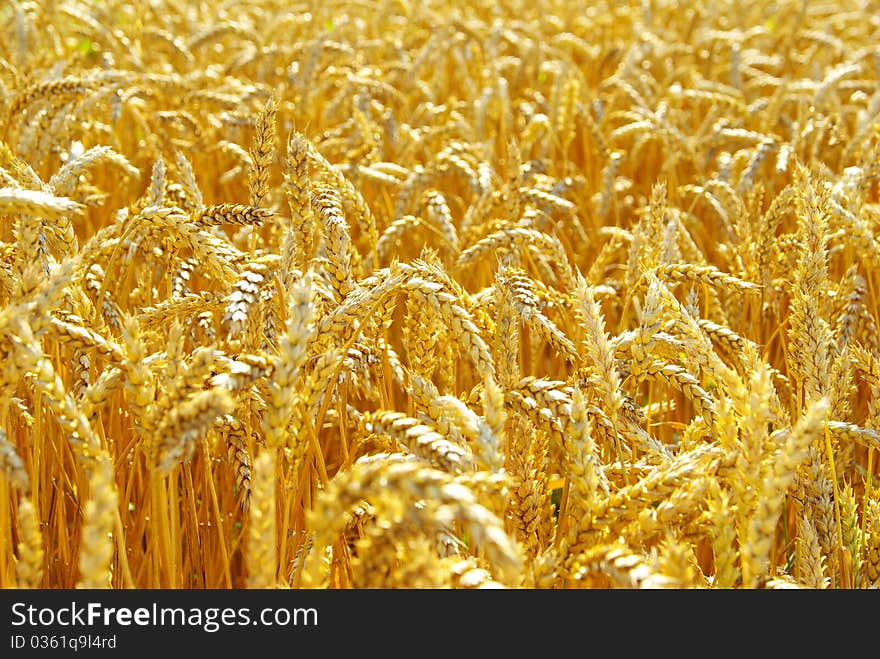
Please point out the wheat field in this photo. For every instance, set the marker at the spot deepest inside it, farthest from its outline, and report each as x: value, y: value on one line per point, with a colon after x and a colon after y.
x: 496, y: 294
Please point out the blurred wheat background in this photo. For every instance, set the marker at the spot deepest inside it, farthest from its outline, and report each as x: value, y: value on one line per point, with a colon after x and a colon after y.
x: 357, y: 294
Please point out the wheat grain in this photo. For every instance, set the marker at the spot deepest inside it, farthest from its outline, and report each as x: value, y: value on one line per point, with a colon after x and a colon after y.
x: 607, y: 291
x: 29, y: 569
x: 96, y: 554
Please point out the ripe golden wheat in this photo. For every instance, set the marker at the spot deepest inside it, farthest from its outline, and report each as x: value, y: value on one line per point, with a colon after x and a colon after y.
x: 448, y: 294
